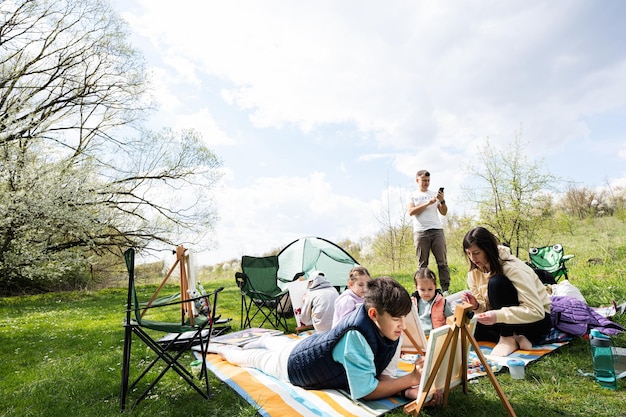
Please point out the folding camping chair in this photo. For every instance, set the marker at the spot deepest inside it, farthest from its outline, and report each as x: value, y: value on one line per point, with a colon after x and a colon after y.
x: 189, y: 329
x: 550, y: 259
x: 260, y: 294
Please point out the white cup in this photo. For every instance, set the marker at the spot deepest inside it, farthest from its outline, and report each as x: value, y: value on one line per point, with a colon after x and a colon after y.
x: 516, y: 368
x: 196, y: 366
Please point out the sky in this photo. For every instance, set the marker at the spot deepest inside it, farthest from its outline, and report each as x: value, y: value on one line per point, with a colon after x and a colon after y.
x: 323, y: 111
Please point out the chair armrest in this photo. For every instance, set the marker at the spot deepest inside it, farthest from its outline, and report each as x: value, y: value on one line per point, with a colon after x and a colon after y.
x: 173, y: 303
x: 266, y: 295
x: 240, y: 278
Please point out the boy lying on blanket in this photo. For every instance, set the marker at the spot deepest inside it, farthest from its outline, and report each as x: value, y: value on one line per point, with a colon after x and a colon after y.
x: 359, y: 355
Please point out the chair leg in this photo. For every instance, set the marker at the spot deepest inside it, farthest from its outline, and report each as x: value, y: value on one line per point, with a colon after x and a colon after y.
x: 204, y: 372
x: 128, y: 337
x: 281, y: 321
x: 252, y: 310
x: 171, y: 362
x: 274, y: 318
x: 243, y: 304
x: 246, y: 308
x: 268, y: 314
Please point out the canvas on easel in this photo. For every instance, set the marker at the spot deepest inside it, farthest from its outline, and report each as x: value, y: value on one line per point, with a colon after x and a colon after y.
x: 435, y: 345
x: 414, y: 340
x: 445, y: 362
x: 297, y: 289
x: 455, y: 361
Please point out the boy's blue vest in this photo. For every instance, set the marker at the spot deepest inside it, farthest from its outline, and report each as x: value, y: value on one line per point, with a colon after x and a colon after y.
x: 311, y: 364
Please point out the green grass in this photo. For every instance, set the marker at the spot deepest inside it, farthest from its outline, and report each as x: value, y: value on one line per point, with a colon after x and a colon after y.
x: 61, y: 352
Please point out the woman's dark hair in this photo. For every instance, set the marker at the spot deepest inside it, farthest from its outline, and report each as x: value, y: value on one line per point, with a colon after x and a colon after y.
x: 386, y: 294
x: 488, y: 243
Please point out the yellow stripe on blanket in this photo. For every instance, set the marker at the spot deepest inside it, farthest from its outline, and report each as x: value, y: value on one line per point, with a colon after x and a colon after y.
x: 328, y: 399
x: 274, y: 398
x: 264, y: 397
x: 525, y: 355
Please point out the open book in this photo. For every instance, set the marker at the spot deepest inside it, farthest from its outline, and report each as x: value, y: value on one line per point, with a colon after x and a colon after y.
x: 244, y: 336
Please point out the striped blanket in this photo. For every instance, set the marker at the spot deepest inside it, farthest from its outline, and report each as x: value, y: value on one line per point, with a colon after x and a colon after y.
x: 272, y: 397
x: 497, y: 362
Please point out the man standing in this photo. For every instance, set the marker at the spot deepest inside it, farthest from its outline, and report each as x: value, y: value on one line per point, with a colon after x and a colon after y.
x: 425, y: 207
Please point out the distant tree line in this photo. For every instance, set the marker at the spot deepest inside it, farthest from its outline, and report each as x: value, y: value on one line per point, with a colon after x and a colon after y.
x: 518, y: 199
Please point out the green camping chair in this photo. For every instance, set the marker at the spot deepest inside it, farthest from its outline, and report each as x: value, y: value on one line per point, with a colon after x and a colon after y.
x: 550, y: 259
x: 260, y: 294
x: 181, y: 335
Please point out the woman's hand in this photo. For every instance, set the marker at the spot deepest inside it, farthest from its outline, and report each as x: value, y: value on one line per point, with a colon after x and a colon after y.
x: 469, y: 298
x: 488, y: 318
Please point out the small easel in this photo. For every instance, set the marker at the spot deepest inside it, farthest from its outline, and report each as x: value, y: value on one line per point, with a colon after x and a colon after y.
x: 182, y: 261
x: 460, y: 330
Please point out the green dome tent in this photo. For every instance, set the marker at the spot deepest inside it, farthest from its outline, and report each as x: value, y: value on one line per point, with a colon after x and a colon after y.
x: 311, y: 253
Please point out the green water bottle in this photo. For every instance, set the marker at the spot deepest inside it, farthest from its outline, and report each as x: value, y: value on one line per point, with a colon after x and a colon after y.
x: 602, y: 354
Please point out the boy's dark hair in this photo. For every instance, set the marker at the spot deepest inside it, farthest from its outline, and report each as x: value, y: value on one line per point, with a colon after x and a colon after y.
x: 386, y: 294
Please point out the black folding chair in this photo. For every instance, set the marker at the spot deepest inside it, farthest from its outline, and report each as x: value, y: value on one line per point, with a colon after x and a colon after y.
x: 189, y: 331
x: 260, y: 294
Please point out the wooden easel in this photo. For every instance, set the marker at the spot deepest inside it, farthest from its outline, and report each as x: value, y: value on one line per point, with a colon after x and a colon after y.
x: 459, y: 323
x: 182, y: 261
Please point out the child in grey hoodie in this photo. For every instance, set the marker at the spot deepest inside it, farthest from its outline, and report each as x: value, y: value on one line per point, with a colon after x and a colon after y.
x: 318, y: 304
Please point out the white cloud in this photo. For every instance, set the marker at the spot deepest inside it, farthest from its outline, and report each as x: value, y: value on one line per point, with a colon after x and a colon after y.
x: 204, y: 122
x: 319, y: 101
x: 162, y: 89
x: 269, y: 213
x: 405, y: 73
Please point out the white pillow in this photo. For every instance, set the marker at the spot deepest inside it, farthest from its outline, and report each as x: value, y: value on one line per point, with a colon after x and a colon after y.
x: 566, y: 288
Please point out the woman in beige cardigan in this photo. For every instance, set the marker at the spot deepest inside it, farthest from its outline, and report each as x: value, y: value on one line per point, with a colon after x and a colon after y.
x: 512, y: 304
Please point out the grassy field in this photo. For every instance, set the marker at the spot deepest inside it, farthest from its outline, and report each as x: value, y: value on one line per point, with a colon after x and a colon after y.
x: 61, y: 353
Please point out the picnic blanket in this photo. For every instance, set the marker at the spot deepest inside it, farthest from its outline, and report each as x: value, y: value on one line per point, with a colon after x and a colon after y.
x: 272, y: 397
x: 498, y: 362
